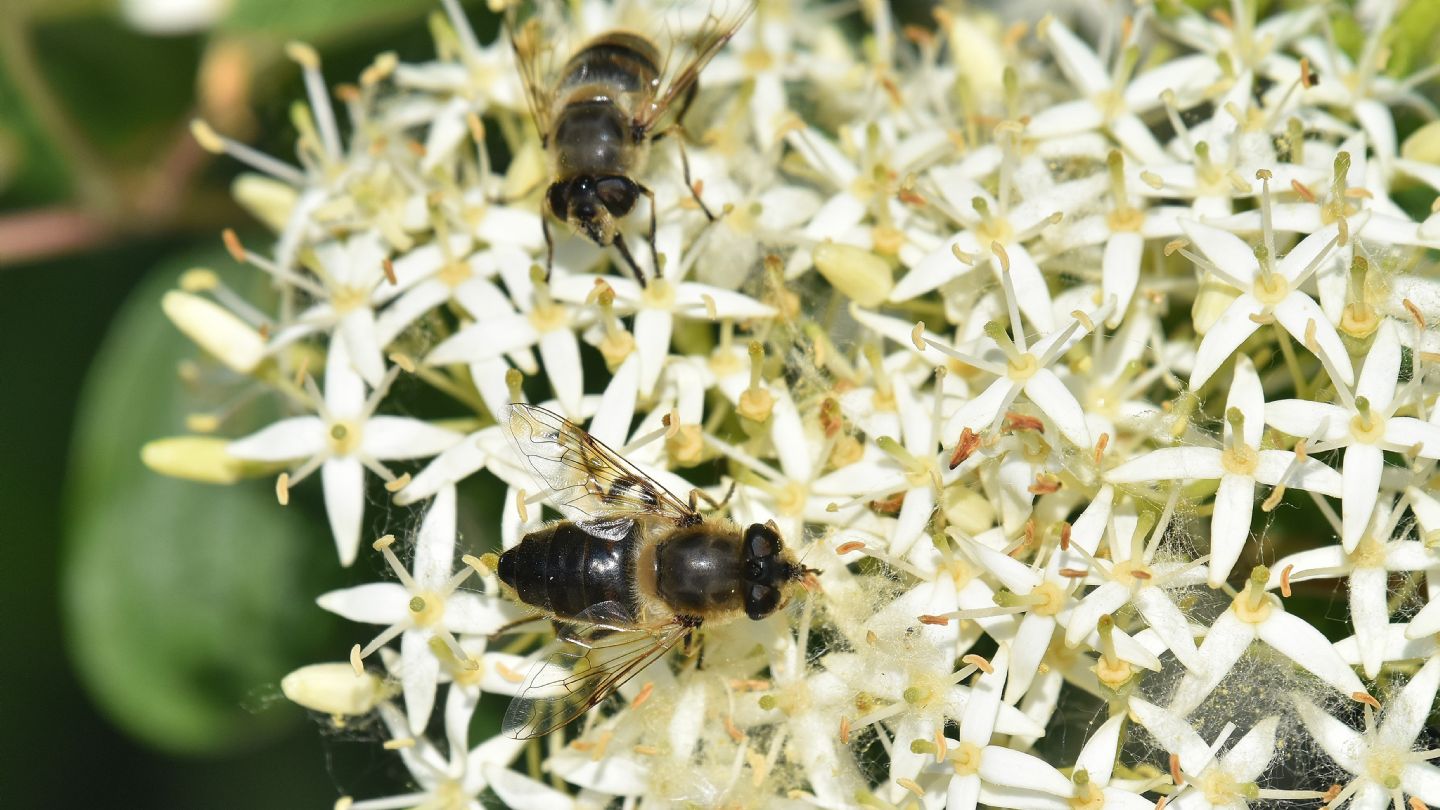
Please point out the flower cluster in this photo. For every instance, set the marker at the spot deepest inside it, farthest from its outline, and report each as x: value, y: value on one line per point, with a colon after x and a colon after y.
x: 1070, y: 366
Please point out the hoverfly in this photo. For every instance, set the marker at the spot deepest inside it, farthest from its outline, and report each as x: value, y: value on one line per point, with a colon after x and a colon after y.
x: 631, y: 572
x: 598, y: 111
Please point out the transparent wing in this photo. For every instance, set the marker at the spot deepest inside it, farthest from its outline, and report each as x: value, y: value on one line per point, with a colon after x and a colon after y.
x: 541, y: 36
x: 694, y: 31
x: 587, y: 481
x: 601, y: 649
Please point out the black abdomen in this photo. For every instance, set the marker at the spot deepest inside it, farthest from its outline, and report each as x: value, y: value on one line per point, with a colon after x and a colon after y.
x: 697, y: 571
x: 621, y: 60
x: 564, y: 570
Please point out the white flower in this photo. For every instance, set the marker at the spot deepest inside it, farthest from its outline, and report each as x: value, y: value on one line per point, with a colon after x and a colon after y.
x: 1380, y: 758
x: 1226, y: 781
x: 1269, y: 287
x: 1365, y: 425
x: 1018, y: 367
x: 1366, y: 569
x: 342, y: 441
x: 424, y: 607
x: 1239, y: 465
x: 1257, y: 615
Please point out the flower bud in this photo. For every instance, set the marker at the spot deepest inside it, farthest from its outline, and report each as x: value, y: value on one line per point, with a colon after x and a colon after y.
x: 216, y: 330
x: 334, y: 689
x: 194, y: 458
x: 866, y: 278
x: 267, y: 199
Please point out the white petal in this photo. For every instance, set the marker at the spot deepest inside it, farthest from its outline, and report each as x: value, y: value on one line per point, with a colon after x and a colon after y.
x: 560, y: 352
x: 1107, y: 598
x: 978, y: 721
x: 1342, y: 743
x: 435, y: 542
x: 1309, y: 475
x: 1422, y: 780
x: 1425, y: 623
x: 932, y: 271
x: 397, y: 317
x: 1296, y: 313
x: 371, y: 603
x: 1405, y: 432
x: 1026, y: 650
x: 344, y: 485
x: 1381, y: 370
x: 1030, y: 287
x: 1098, y: 756
x: 1317, y: 421
x: 483, y: 340
x: 1230, y: 525
x: 914, y: 516
x: 363, y: 343
x: 1232, y: 256
x: 1079, y: 63
x: 1369, y: 616
x: 1226, y: 641
x: 1251, y: 756
x: 1247, y: 396
x: 652, y: 343
x: 963, y: 792
x: 478, y: 614
x: 979, y: 413
x: 1017, y: 769
x: 1120, y: 270
x: 1302, y: 643
x: 1361, y: 472
x: 1174, y: 733
x: 297, y: 437
x: 729, y: 305
x: 1169, y: 463
x: 460, y: 703
x: 1406, y: 713
x: 1224, y: 336
x: 392, y: 437
x: 418, y: 674
x: 1169, y: 624
x: 518, y: 790
x: 1046, y: 391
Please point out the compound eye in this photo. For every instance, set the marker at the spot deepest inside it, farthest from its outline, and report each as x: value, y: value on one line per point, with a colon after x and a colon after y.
x: 558, y: 200
x: 618, y: 194
x: 760, y: 542
x: 761, y: 601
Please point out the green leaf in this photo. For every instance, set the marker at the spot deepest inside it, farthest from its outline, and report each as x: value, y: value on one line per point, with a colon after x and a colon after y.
x: 320, y: 20
x: 183, y: 602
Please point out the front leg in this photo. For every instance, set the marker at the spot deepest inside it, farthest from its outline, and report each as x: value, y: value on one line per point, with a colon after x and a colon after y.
x: 549, y: 245
x: 654, y: 256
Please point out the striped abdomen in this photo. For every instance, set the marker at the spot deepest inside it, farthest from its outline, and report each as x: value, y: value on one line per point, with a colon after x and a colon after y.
x: 564, y: 570
x: 623, y: 61
x: 594, y: 131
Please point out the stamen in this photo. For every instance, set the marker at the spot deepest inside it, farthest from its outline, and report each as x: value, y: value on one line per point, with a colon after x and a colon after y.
x: 215, y: 143
x: 309, y: 61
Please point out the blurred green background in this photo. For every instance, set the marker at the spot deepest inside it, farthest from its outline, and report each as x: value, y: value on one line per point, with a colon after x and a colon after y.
x: 151, y: 619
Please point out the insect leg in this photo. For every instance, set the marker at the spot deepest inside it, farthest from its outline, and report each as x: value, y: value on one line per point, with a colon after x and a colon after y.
x: 549, y: 245
x: 685, y: 169
x: 654, y: 257
x: 630, y: 260
x: 508, y: 626
x: 696, y: 495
